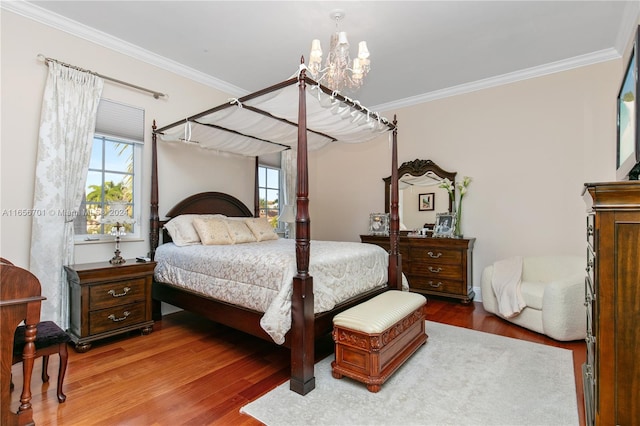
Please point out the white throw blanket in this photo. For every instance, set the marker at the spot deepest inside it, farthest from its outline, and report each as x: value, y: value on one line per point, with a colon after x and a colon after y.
x: 506, y: 283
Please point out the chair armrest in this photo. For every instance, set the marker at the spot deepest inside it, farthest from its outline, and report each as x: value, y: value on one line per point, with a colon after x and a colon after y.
x: 563, y: 311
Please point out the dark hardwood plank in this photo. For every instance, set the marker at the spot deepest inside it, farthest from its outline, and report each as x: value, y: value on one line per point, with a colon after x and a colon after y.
x: 193, y: 371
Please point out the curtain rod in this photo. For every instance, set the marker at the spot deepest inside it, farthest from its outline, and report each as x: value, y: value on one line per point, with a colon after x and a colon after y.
x: 155, y: 94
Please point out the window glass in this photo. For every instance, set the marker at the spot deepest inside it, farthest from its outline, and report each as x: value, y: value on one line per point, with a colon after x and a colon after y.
x: 110, y: 178
x: 269, y: 192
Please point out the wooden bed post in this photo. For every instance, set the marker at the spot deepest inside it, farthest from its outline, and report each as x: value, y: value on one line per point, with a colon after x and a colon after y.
x: 302, y: 314
x: 395, y: 259
x: 256, y: 191
x: 154, y: 218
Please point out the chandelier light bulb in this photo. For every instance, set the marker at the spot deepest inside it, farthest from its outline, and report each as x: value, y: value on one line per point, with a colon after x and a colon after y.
x: 363, y: 52
x: 342, y: 39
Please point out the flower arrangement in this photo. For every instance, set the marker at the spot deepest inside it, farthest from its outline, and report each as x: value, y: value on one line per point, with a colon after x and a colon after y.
x: 462, y: 190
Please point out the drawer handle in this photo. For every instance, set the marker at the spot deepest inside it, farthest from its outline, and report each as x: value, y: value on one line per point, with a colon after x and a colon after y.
x: 434, y: 270
x: 435, y: 256
x: 435, y: 285
x: 114, y: 319
x: 113, y: 292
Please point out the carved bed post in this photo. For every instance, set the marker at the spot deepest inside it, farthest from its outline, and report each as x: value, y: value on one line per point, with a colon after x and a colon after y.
x: 154, y: 219
x: 395, y: 259
x: 302, y: 314
x: 256, y: 191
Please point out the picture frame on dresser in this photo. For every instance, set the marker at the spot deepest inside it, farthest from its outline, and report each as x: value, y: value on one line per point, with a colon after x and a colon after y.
x: 379, y: 224
x: 426, y: 202
x: 445, y: 224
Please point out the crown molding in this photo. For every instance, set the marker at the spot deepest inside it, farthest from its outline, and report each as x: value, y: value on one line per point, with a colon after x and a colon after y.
x: 103, y: 39
x: 36, y: 13
x: 554, y: 67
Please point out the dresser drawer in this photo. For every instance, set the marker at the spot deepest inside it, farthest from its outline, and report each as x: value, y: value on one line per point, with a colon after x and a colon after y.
x: 433, y: 254
x: 435, y: 284
x: 116, y: 293
x: 116, y: 317
x: 437, y: 270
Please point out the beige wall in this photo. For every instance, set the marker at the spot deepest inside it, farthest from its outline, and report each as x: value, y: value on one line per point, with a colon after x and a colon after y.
x: 529, y: 147
x: 23, y: 79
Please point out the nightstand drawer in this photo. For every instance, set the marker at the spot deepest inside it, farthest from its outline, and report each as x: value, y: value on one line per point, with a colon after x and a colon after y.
x: 116, y: 317
x: 116, y: 293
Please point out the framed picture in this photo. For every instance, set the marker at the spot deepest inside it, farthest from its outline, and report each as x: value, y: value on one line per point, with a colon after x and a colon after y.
x: 444, y: 225
x: 425, y: 201
x: 379, y: 224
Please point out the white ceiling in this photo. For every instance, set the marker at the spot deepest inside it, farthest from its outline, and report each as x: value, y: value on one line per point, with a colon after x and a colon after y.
x: 419, y: 49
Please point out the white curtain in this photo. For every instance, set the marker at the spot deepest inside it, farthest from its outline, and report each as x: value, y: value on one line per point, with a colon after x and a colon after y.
x: 67, y: 123
x: 289, y: 161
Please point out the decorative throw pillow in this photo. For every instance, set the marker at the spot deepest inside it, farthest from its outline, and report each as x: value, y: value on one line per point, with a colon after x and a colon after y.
x: 240, y: 232
x: 212, y: 231
x: 262, y: 229
x: 181, y: 230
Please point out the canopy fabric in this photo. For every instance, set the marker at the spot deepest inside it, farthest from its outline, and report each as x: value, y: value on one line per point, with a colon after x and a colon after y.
x: 266, y: 122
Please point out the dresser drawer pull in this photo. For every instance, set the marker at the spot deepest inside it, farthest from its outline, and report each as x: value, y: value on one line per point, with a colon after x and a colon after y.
x: 434, y: 270
x: 435, y: 285
x: 114, y: 319
x: 113, y: 292
x: 435, y: 256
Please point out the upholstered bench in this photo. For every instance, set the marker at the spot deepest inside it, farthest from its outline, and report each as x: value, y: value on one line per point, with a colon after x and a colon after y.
x: 374, y: 338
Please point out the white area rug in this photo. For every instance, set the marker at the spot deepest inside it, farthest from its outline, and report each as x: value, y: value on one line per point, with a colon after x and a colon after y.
x: 459, y: 377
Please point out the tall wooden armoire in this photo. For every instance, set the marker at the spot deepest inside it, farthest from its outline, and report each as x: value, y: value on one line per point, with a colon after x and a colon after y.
x: 612, y: 291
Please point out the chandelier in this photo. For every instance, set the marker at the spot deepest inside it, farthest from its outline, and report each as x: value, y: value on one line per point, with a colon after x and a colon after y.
x: 339, y: 71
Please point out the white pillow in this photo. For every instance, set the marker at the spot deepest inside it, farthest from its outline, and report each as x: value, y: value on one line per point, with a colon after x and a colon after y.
x: 239, y: 231
x: 212, y: 231
x: 181, y: 228
x: 262, y: 229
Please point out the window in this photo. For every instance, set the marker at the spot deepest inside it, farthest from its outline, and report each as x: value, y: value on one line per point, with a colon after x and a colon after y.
x: 113, y: 170
x: 269, y: 193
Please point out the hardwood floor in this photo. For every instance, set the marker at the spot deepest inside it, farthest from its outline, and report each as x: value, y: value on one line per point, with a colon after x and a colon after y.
x: 192, y: 371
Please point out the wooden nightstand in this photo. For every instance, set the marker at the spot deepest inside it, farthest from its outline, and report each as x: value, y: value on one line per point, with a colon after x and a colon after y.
x: 106, y: 300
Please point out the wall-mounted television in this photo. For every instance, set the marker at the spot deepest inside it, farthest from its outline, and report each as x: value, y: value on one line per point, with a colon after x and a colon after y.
x: 628, y: 144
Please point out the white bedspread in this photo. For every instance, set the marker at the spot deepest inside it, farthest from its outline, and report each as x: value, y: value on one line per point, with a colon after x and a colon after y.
x: 259, y: 276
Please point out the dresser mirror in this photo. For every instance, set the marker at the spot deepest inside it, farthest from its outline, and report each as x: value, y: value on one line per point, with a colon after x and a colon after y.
x: 420, y: 197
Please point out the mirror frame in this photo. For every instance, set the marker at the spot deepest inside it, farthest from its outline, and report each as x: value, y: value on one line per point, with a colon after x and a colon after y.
x: 418, y: 168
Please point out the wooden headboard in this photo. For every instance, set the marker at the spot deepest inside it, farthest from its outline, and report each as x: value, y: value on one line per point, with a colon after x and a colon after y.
x: 210, y: 203
x: 205, y: 203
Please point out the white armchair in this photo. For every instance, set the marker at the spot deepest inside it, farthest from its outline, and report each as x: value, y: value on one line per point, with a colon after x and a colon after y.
x: 553, y: 290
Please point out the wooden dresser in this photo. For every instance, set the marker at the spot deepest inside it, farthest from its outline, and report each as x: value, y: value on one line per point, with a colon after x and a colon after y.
x: 106, y: 300
x: 611, y: 374
x: 436, y: 266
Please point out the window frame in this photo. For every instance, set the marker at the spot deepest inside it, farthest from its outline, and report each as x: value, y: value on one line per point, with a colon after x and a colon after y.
x: 136, y: 189
x: 279, y: 225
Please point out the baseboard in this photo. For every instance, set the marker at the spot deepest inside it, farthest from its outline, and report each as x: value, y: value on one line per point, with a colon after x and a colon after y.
x: 478, y: 292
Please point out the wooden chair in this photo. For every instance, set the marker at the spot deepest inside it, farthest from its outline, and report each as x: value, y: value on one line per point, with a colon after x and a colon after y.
x: 50, y: 339
x: 20, y: 300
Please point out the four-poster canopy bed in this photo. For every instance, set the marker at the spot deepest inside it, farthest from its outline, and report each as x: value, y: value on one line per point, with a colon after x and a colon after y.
x: 264, y: 122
